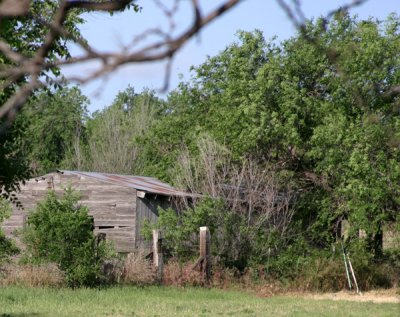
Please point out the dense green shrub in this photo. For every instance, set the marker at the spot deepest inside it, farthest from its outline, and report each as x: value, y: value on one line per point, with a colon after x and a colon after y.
x: 235, y: 243
x: 61, y: 231
x: 180, y: 231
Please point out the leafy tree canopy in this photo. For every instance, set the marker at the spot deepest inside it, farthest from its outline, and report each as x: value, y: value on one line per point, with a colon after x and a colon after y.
x: 320, y: 106
x: 50, y: 134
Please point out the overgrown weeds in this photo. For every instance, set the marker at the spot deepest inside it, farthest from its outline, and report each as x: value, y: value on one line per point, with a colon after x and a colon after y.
x: 181, y: 274
x: 137, y: 270
x: 131, y: 269
x: 316, y: 275
x: 329, y: 275
x: 27, y: 275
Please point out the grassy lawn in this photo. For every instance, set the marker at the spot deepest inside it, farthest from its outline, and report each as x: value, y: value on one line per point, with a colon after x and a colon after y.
x: 164, y: 302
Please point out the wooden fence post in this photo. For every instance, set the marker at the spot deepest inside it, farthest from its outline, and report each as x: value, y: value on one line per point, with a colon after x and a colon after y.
x: 205, y: 253
x: 157, y: 254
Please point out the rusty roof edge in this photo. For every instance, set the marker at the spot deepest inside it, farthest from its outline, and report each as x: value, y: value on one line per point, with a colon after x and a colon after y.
x: 144, y: 183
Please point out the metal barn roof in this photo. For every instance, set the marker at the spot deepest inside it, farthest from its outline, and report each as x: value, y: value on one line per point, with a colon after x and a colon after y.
x: 148, y: 184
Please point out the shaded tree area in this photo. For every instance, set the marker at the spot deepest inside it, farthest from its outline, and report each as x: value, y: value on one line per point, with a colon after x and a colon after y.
x: 292, y: 138
x: 104, y: 141
x: 33, y: 45
x: 50, y: 134
x: 25, y: 34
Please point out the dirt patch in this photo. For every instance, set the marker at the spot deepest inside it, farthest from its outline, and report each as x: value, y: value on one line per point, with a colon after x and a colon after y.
x: 377, y: 296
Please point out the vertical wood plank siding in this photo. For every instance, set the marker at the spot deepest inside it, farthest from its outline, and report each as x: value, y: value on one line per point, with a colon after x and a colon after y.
x: 111, y: 200
x: 145, y: 209
x: 112, y: 206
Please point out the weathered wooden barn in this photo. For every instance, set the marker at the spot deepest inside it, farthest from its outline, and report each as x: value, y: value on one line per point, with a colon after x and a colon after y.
x: 118, y: 203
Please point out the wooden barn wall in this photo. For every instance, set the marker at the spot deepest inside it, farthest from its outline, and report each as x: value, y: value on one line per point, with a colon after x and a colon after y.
x: 112, y: 206
x: 147, y: 208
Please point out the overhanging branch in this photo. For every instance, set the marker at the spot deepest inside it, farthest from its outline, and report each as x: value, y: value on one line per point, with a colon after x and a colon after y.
x: 32, y: 68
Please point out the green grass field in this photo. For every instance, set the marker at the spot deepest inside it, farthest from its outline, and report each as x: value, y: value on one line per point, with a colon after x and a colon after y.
x: 164, y: 302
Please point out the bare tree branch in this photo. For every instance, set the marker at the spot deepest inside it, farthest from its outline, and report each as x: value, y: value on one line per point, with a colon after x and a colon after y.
x: 162, y: 49
x: 13, y: 8
x: 346, y: 7
x: 98, y: 6
x: 154, y: 52
x: 298, y: 18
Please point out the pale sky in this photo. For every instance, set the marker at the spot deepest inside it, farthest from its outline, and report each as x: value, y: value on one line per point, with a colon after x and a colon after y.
x: 110, y: 33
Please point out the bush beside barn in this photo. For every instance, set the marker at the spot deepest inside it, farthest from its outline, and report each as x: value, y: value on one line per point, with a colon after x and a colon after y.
x: 119, y: 204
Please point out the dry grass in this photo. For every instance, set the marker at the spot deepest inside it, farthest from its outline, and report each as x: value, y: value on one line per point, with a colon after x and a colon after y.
x: 137, y: 270
x: 185, y: 274
x: 182, y: 274
x: 325, y: 277
x: 375, y: 296
x: 48, y: 275
x: 132, y: 269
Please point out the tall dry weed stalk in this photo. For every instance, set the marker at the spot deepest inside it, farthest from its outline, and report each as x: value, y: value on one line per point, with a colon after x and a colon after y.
x: 133, y: 268
x: 249, y: 188
x: 138, y: 270
x: 182, y: 274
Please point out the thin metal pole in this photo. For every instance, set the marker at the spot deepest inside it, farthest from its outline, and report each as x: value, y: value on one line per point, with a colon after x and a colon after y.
x: 345, y: 264
x: 354, y: 276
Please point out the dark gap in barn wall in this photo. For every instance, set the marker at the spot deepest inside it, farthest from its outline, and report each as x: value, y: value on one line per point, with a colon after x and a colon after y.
x: 147, y: 208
